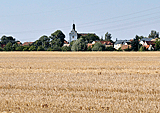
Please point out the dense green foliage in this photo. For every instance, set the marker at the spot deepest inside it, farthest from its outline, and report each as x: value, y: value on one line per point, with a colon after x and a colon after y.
x: 98, y: 47
x: 55, y: 42
x: 89, y: 38
x: 157, y: 46
x: 153, y: 34
x: 108, y: 36
x: 79, y: 45
x: 135, y: 44
x: 65, y: 48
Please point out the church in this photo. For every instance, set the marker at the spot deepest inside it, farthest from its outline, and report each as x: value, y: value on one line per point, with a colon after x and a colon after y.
x: 73, y: 35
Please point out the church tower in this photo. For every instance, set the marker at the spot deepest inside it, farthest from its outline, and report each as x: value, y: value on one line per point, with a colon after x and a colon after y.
x: 73, y: 34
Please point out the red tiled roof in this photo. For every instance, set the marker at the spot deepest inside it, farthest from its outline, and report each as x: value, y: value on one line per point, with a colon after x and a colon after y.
x: 27, y: 43
x: 65, y: 42
x: 105, y: 42
x: 19, y: 43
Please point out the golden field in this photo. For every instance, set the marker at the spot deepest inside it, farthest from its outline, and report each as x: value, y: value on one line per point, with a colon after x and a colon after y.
x: 80, y: 82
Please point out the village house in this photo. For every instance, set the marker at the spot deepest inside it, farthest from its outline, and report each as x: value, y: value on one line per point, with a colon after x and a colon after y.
x: 122, y: 44
x: 106, y: 43
x: 143, y: 40
x: 148, y: 43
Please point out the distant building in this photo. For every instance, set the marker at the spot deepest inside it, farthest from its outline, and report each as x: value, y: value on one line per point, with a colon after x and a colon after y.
x: 143, y: 40
x: 73, y: 35
x: 27, y: 43
x: 119, y: 43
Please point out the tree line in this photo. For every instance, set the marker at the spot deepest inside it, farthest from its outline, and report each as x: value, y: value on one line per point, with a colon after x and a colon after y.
x: 55, y: 42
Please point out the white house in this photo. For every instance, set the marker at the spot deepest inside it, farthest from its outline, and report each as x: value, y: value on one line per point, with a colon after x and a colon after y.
x: 119, y: 43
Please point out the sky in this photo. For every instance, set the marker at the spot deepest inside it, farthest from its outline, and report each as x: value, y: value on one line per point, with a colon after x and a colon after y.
x: 28, y: 20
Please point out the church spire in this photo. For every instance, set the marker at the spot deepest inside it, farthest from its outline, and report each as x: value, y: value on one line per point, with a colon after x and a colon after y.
x: 74, y: 26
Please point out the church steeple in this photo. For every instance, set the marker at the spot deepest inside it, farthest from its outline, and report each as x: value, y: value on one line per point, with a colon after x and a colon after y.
x: 74, y: 27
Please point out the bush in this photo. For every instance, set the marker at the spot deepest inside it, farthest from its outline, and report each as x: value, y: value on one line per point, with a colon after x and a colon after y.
x: 89, y: 48
x: 1, y: 49
x: 32, y: 48
x: 49, y: 49
x: 40, y: 48
x: 8, y: 47
x: 98, y: 47
x: 65, y: 48
x: 111, y: 48
x: 142, y: 48
x: 19, y: 48
x: 119, y: 49
x: 79, y: 45
x: 56, y: 48
x: 25, y: 48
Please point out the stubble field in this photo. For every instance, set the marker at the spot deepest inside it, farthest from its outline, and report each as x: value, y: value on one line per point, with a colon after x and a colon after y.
x: 80, y: 82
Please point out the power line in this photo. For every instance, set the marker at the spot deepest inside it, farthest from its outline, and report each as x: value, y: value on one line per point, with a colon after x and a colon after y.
x: 55, y: 10
x: 84, y: 24
x: 80, y: 26
x: 122, y: 15
x: 133, y: 26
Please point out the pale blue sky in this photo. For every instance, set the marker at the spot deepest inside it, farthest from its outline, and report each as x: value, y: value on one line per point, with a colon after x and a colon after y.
x: 27, y: 20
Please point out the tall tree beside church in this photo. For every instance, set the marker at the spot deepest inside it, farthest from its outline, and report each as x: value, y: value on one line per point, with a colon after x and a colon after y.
x: 108, y: 36
x: 154, y: 34
x: 57, y: 37
x: 135, y: 43
x: 90, y: 38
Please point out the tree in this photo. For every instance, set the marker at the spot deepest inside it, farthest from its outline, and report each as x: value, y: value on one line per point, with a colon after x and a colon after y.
x: 135, y: 44
x: 142, y: 48
x: 44, y: 41
x: 40, y: 48
x: 6, y: 39
x: 56, y: 48
x: 8, y: 47
x: 89, y: 38
x: 57, y: 35
x: 79, y: 45
x: 56, y: 43
x: 32, y: 48
x: 19, y: 48
x: 89, y: 48
x: 26, y: 48
x: 1, y: 49
x: 111, y: 48
x: 65, y: 48
x: 157, y: 45
x: 49, y: 49
x: 98, y: 47
x: 154, y: 34
x: 108, y: 36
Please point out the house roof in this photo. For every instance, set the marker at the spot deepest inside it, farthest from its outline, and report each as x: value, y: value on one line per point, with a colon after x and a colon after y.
x: 121, y: 41
x: 105, y: 42
x: 19, y: 43
x: 146, y: 39
x: 27, y: 43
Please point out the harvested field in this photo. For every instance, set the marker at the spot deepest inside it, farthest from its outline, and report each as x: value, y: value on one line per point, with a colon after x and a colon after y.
x: 80, y: 82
